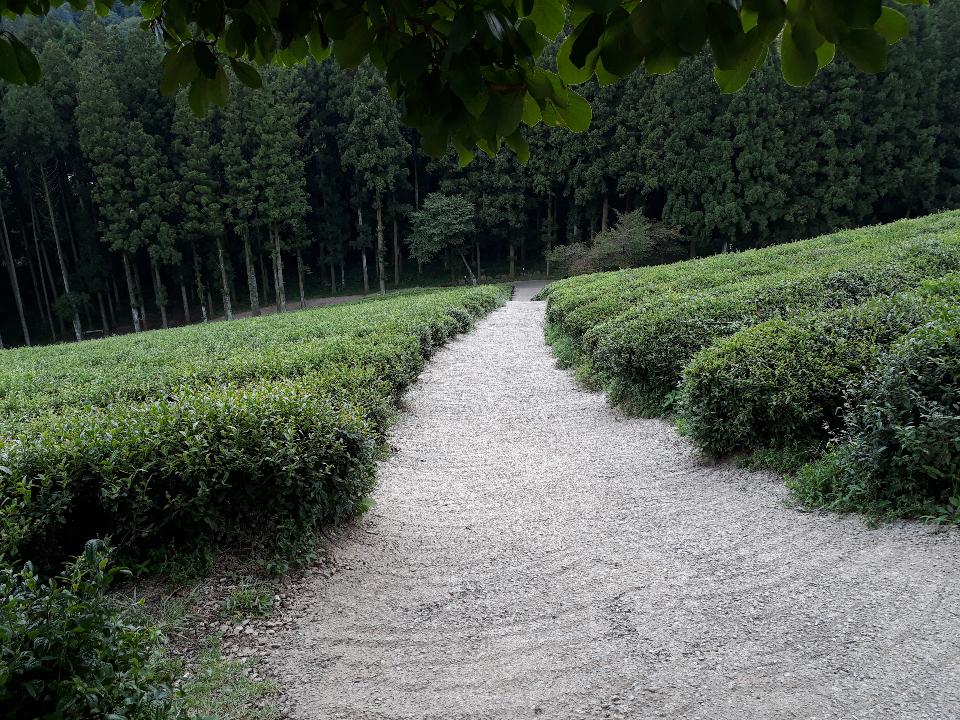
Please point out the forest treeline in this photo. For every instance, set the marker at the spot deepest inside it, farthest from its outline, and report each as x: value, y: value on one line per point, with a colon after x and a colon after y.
x: 122, y: 211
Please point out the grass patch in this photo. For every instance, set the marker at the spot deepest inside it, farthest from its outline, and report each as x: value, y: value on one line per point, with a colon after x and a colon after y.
x: 218, y: 687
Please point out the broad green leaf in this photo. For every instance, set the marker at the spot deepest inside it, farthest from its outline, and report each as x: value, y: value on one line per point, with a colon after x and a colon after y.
x: 9, y: 67
x: 574, y: 111
x: 571, y: 74
x: 531, y: 110
x: 730, y: 81
x: 205, y: 60
x: 825, y: 54
x: 798, y: 65
x: 866, y: 49
x: 548, y: 16
x: 179, y: 69
x: 662, y: 61
x: 247, y: 74
x: 352, y: 49
x: 29, y: 67
x: 892, y: 25
x: 198, y: 97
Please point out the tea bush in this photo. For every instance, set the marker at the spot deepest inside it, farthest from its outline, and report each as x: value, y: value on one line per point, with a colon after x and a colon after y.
x: 899, y: 451
x: 67, y: 652
x: 778, y: 350
x: 783, y: 381
x: 640, y: 328
x: 205, y: 434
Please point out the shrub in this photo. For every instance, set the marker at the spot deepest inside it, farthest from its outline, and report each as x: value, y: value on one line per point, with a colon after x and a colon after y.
x: 640, y: 328
x: 633, y: 241
x: 67, y: 652
x: 899, y: 452
x: 783, y: 381
x: 232, y: 430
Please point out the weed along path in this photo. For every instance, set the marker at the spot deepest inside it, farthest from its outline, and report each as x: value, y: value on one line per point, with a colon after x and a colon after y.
x: 533, y: 552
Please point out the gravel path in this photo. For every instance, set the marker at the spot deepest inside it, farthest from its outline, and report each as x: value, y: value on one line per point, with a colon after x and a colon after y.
x: 535, y: 553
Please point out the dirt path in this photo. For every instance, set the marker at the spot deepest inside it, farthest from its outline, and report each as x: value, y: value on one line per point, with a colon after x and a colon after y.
x: 534, y: 553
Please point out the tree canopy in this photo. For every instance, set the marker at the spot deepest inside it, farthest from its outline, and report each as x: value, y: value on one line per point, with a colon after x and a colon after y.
x: 471, y: 72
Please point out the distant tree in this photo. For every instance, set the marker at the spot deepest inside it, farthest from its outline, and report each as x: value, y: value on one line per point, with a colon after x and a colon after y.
x: 278, y: 169
x: 9, y: 261
x: 443, y: 221
x: 373, y: 147
x: 201, y: 196
x: 36, y: 134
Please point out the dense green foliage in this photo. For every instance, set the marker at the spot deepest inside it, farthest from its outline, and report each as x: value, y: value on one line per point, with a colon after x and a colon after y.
x: 764, y: 348
x: 471, y: 72
x: 311, y: 179
x: 443, y: 223
x: 899, y: 450
x: 67, y: 652
x: 209, y: 433
x: 783, y: 381
x: 633, y: 241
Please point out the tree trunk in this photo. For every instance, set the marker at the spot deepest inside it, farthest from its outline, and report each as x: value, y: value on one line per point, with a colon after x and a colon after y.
x: 479, y: 272
x: 12, y: 270
x: 185, y: 300
x: 604, y: 213
x: 43, y: 263
x: 66, y: 215
x: 303, y: 299
x: 210, y: 302
x: 381, y: 250
x: 473, y: 280
x: 139, y: 291
x: 251, y: 275
x: 416, y: 183
x: 224, y: 283
x: 77, y: 330
x: 159, y: 293
x: 343, y: 274
x: 333, y: 280
x: 53, y: 289
x: 87, y: 316
x: 396, y: 253
x: 265, y: 278
x: 33, y: 277
x: 278, y: 269
x: 513, y: 261
x: 419, y: 267
x: 366, y: 277
x: 103, y: 315
x: 201, y: 291
x: 113, y: 316
x: 134, y: 307
x: 448, y: 257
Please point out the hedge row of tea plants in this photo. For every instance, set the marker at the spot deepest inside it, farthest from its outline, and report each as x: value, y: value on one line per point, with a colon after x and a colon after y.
x: 771, y: 348
x: 209, y: 433
x: 898, y: 453
x: 782, y: 382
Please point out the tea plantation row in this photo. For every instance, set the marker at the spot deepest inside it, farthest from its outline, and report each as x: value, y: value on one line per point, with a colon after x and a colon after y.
x: 849, y: 339
x: 209, y: 433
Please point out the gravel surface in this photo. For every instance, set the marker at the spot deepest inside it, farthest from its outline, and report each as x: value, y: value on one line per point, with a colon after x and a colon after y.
x: 533, y: 552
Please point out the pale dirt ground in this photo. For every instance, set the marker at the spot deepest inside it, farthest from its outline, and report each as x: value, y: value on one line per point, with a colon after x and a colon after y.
x: 534, y: 553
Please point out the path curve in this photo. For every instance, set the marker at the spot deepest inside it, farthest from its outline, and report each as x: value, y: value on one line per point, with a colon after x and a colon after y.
x: 535, y: 553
